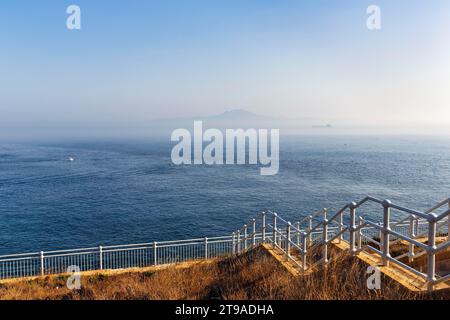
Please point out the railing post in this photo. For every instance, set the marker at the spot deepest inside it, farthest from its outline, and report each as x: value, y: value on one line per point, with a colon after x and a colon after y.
x: 304, y: 250
x: 288, y: 240
x: 341, y: 226
x: 352, y: 228
x: 155, y: 253
x: 412, y: 235
x: 41, y: 258
x: 206, y: 248
x: 274, y: 230
x: 431, y: 272
x: 263, y: 231
x: 245, y: 237
x: 325, y: 236
x: 298, y: 233
x: 416, y: 225
x: 254, y: 233
x: 239, y: 241
x: 360, y: 233
x: 233, y: 243
x: 386, y: 230
x: 100, y: 257
x: 310, y: 225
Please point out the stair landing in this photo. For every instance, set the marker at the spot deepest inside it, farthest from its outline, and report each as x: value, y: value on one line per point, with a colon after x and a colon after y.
x: 405, y: 277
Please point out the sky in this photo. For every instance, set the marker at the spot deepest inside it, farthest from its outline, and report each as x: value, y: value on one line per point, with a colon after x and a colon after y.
x: 136, y: 61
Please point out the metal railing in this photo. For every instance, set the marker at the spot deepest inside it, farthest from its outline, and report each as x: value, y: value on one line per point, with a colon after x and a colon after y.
x: 306, y: 243
x: 308, y: 247
x: 113, y: 257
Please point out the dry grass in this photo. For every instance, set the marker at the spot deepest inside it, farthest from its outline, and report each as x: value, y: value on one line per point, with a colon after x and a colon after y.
x: 254, y: 276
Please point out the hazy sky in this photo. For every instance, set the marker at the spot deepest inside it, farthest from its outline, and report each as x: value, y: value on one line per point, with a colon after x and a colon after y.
x: 134, y: 61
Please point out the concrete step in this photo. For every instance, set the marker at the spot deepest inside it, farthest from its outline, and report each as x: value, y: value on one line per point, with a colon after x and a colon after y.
x: 397, y: 273
x: 291, y: 266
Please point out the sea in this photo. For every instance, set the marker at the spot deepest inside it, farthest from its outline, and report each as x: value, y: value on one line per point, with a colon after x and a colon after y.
x: 123, y: 192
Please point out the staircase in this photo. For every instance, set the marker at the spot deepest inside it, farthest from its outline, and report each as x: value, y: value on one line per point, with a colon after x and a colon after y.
x: 413, y: 250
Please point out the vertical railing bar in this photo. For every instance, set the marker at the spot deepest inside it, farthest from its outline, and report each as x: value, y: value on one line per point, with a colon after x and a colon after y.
x: 288, y: 240
x: 297, y: 224
x: 100, y: 256
x: 263, y: 227
x: 304, y: 250
x: 155, y: 253
x: 325, y: 236
x: 360, y: 238
x: 233, y: 245
x: 245, y: 238
x: 386, y: 230
x: 274, y: 239
x: 431, y: 272
x: 41, y: 254
x: 254, y: 233
x: 352, y: 227
x: 310, y: 225
x: 412, y: 235
x: 239, y: 242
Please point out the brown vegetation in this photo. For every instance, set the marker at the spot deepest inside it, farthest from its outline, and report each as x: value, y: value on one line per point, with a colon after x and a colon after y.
x: 253, y: 276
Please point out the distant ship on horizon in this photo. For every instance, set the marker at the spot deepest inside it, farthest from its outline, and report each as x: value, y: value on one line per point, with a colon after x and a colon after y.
x: 326, y: 126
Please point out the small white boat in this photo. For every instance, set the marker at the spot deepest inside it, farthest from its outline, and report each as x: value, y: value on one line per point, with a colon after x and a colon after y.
x: 71, y: 159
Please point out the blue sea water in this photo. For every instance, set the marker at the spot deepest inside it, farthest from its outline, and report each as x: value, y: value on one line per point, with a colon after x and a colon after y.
x: 130, y: 192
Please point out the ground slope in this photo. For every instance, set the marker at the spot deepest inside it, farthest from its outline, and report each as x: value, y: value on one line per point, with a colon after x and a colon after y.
x: 256, y: 275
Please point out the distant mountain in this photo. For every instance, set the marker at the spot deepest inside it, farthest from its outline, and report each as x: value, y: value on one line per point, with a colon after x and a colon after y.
x: 240, y: 118
x: 234, y: 115
x: 240, y: 115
